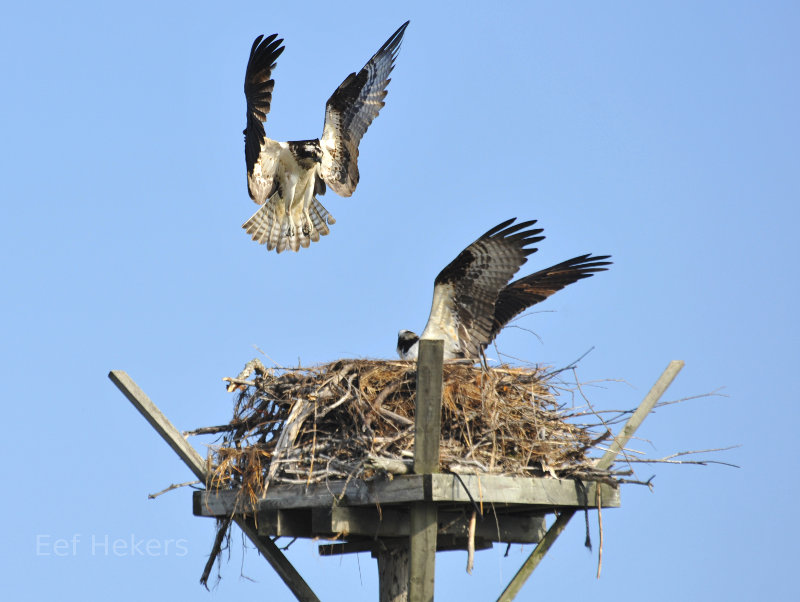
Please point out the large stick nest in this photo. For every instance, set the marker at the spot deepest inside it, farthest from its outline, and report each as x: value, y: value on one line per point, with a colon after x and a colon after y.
x: 355, y: 419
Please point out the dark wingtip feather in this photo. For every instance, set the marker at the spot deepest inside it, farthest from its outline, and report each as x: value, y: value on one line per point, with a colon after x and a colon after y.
x: 520, y: 233
x: 498, y: 227
x: 392, y: 45
x: 590, y: 263
x: 397, y: 36
x: 505, y: 230
x: 263, y: 54
x: 258, y: 89
x: 534, y: 288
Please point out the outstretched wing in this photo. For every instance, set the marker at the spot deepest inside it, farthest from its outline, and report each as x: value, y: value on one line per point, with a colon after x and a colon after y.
x: 258, y: 87
x: 350, y: 110
x: 465, y: 292
x: 530, y: 290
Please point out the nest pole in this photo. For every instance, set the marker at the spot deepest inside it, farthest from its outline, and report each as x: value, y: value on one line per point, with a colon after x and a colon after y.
x: 605, y: 462
x: 198, y: 466
x: 393, y: 572
x: 427, y: 432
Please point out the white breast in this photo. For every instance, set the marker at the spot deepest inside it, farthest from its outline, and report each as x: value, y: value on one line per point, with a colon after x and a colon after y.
x: 442, y: 323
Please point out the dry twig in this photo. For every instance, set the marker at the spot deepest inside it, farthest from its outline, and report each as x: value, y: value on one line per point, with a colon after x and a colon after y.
x: 152, y: 496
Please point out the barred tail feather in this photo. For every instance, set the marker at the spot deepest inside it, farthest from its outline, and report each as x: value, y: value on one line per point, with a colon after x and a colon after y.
x: 320, y: 218
x: 272, y: 225
x: 265, y: 225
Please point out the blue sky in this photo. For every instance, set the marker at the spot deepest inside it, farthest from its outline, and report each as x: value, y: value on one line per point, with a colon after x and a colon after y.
x: 665, y: 134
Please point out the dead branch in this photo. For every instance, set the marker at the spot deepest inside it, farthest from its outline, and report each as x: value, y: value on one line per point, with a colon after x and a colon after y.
x: 152, y: 496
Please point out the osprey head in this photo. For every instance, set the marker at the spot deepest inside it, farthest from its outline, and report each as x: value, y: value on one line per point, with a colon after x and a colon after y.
x: 406, y: 344
x: 306, y: 152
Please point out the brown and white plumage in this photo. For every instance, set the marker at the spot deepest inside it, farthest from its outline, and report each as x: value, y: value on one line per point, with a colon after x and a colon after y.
x: 286, y: 177
x: 472, y: 300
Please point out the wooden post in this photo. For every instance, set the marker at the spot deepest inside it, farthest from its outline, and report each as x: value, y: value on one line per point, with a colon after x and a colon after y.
x: 428, y: 411
x: 427, y: 432
x: 393, y: 572
x: 604, y: 462
x: 198, y: 466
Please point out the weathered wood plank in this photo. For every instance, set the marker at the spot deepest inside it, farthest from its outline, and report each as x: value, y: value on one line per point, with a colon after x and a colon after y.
x: 217, y: 503
x: 502, y: 491
x: 353, y: 493
x: 197, y: 465
x: 547, y: 492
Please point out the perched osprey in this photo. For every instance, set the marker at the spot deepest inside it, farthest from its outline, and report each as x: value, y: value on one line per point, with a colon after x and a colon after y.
x: 472, y: 300
x: 285, y: 177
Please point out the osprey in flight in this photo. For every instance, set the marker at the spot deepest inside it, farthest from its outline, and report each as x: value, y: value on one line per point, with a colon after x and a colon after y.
x: 472, y: 299
x: 285, y: 177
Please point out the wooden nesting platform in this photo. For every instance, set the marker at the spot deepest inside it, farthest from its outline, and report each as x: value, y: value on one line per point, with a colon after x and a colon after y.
x: 405, y: 519
x: 510, y: 509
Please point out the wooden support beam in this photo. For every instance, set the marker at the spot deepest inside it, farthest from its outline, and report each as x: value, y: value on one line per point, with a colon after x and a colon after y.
x: 198, y: 466
x: 280, y: 564
x: 504, y: 528
x: 444, y: 543
x: 160, y: 423
x: 364, y: 521
x: 394, y: 522
x: 427, y: 432
x: 285, y: 523
x: 348, y: 547
x: 636, y: 419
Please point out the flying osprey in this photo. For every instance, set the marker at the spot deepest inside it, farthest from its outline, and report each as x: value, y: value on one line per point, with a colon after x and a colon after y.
x: 285, y: 177
x: 472, y: 300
